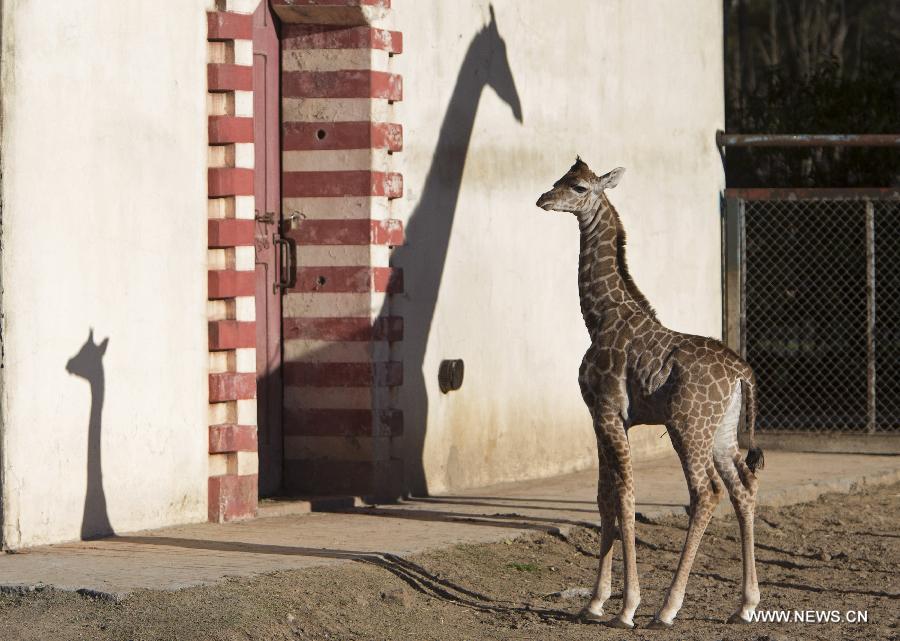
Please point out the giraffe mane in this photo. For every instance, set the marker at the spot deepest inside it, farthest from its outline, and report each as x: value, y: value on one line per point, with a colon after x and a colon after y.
x: 622, y: 266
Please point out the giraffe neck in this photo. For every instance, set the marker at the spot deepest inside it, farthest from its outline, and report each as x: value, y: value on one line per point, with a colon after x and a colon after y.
x: 94, y: 422
x: 95, y: 519
x: 603, y: 279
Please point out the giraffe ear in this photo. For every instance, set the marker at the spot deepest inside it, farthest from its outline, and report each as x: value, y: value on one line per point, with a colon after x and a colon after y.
x: 611, y: 179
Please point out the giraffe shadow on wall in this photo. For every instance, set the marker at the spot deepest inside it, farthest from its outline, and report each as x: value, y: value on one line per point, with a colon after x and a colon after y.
x: 424, y: 255
x: 88, y: 364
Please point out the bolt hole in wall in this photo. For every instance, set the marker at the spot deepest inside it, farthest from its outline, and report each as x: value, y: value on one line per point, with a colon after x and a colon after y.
x: 321, y: 280
x: 321, y: 134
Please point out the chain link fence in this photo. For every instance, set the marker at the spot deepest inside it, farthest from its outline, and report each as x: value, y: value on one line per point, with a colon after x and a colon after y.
x: 819, y: 309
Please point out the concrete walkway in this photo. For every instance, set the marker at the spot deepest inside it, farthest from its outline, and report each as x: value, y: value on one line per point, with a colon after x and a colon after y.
x: 204, y: 553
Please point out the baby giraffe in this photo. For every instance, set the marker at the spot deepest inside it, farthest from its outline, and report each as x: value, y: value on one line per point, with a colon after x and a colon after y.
x: 638, y: 372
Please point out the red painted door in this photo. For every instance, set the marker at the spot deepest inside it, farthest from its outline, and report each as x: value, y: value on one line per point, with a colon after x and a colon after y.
x: 266, y: 124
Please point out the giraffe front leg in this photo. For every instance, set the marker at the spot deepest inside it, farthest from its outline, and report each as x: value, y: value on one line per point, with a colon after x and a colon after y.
x: 614, y: 443
x: 631, y: 597
x: 593, y: 611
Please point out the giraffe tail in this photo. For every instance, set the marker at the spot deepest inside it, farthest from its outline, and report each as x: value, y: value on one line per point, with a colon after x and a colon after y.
x: 755, y: 459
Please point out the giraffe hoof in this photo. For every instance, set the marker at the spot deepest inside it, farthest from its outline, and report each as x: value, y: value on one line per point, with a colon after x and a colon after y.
x: 737, y: 618
x: 619, y: 622
x: 659, y: 624
x: 586, y: 616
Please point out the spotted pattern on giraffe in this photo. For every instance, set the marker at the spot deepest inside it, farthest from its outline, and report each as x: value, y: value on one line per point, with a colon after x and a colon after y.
x: 637, y: 371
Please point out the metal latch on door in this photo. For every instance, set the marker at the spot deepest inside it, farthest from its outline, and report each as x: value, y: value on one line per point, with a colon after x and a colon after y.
x: 287, y: 249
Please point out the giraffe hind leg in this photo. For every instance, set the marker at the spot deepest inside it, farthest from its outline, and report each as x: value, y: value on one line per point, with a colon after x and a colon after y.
x: 741, y: 484
x: 705, y: 493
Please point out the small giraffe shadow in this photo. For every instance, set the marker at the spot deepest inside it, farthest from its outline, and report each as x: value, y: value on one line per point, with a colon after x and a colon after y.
x: 88, y: 364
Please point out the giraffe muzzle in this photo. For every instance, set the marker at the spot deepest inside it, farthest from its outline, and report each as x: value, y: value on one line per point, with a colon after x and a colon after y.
x: 545, y: 202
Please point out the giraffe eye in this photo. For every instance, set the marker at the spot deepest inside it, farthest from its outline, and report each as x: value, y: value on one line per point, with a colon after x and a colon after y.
x: 578, y: 189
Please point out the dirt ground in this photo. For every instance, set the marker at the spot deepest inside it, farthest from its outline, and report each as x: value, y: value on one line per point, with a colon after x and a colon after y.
x: 839, y: 553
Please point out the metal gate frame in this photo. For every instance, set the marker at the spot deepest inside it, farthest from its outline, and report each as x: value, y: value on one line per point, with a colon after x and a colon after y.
x: 734, y: 275
x: 734, y: 329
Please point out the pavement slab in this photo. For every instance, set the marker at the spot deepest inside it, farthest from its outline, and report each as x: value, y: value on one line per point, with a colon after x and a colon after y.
x: 205, y: 553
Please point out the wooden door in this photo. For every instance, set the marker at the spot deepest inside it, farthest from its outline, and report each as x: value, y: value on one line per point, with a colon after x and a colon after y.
x: 267, y: 141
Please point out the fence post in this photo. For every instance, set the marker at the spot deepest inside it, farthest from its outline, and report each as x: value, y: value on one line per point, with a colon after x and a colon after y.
x: 870, y: 316
x: 734, y: 281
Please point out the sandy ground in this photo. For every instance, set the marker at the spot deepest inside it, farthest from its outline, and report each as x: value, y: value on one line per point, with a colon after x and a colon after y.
x: 839, y: 553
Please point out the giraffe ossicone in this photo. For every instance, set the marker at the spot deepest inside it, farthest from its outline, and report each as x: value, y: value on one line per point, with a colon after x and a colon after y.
x: 638, y: 372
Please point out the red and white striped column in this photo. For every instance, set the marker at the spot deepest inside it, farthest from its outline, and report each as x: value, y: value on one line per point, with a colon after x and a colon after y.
x: 233, y: 461
x: 342, y: 431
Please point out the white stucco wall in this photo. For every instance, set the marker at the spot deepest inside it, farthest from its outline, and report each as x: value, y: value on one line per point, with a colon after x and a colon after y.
x: 104, y: 227
x: 623, y: 83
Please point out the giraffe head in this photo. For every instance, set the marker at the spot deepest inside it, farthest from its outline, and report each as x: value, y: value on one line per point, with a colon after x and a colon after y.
x: 579, y: 190
x: 499, y: 73
x: 87, y: 362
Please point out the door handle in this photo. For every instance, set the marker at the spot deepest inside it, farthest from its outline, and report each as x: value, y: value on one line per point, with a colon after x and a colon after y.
x: 287, y: 273
x: 287, y: 253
